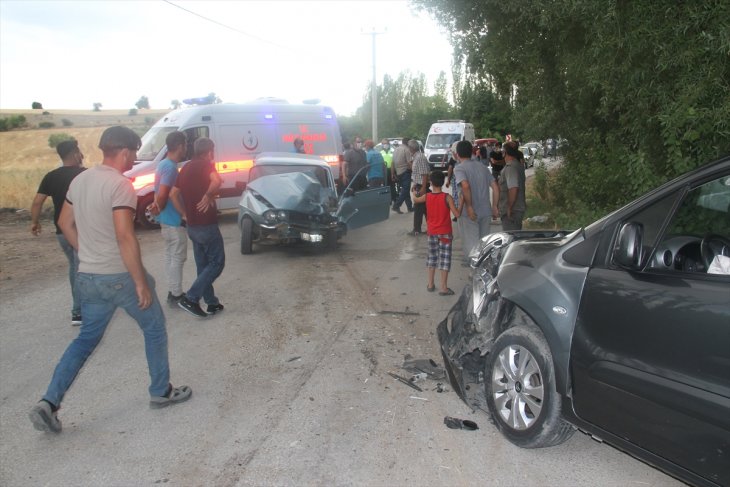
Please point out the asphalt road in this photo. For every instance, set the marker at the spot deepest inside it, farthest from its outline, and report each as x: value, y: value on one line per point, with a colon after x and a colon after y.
x: 290, y: 382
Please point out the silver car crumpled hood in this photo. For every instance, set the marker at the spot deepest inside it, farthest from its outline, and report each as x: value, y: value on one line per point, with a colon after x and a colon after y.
x: 295, y: 191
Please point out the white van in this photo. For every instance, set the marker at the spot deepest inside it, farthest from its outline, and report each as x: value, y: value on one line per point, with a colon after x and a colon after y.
x: 440, y: 137
x: 240, y: 132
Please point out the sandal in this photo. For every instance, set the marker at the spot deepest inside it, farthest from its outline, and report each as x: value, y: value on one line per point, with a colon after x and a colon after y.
x: 448, y: 292
x: 431, y: 288
x: 173, y: 396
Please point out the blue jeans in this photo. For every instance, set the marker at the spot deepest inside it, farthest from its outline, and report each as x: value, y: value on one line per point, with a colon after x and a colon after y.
x: 101, y: 295
x: 405, y: 190
x: 210, y: 258
x: 73, y: 268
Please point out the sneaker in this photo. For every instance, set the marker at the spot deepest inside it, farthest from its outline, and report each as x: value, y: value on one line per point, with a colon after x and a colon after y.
x: 214, y: 308
x: 76, y: 319
x: 174, y: 395
x: 397, y: 210
x: 410, y: 210
x: 172, y: 300
x: 44, y: 418
x: 191, y: 307
x: 414, y: 233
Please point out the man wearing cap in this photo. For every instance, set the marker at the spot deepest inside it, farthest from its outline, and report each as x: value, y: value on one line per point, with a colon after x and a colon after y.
x: 98, y: 220
x: 299, y: 146
x: 55, y: 184
x: 199, y: 183
x: 512, y: 203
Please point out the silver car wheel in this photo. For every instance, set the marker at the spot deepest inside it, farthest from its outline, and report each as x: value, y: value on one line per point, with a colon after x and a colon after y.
x: 517, y: 387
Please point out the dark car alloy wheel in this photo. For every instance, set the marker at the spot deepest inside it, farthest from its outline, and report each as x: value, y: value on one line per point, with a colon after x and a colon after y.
x: 520, y: 388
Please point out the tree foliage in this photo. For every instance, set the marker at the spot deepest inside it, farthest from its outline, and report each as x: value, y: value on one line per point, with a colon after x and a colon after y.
x: 143, y: 102
x: 640, y: 89
x: 36, y: 105
x: 97, y: 106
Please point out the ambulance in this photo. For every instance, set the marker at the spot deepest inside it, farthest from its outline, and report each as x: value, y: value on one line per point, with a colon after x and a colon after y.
x: 441, y: 136
x: 240, y: 132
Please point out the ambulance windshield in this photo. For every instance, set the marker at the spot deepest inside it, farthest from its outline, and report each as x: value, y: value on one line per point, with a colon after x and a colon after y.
x: 152, y: 142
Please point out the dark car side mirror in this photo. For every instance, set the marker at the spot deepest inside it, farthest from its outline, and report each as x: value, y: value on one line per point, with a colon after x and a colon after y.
x: 628, y: 250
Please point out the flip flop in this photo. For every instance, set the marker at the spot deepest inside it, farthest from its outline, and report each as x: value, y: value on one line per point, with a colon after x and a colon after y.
x: 431, y: 289
x: 448, y: 292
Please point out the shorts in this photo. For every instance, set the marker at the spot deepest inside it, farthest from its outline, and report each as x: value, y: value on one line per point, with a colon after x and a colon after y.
x: 439, y: 252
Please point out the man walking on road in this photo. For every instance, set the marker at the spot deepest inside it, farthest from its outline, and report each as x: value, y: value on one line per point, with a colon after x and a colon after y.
x: 474, y: 180
x: 169, y: 210
x: 55, y: 184
x: 401, y: 171
x: 98, y: 221
x: 199, y: 183
x: 420, y: 184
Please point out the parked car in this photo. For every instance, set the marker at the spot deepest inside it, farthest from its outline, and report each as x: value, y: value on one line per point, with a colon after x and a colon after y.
x: 620, y: 329
x: 529, y: 156
x: 293, y: 197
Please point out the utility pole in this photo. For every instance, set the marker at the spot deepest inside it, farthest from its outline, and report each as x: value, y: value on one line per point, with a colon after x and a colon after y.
x: 374, y: 89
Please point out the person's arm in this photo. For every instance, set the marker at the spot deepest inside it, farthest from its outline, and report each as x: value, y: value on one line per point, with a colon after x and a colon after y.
x: 495, y: 199
x: 511, y: 199
x: 35, y: 213
x: 418, y: 198
x: 162, y: 195
x: 208, y: 198
x: 67, y: 224
x: 466, y: 194
x: 452, y: 206
x: 177, y: 202
x: 449, y: 173
x: 424, y: 184
x: 130, y: 253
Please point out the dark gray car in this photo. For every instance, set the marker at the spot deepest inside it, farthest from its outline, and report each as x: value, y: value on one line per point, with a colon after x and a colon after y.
x: 620, y: 329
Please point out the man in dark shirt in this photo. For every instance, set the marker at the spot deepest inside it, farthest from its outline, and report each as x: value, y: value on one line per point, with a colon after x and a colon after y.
x: 55, y: 184
x: 198, y: 183
x: 354, y: 160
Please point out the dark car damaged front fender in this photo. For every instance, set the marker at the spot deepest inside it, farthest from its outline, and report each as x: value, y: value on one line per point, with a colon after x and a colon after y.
x: 466, y: 338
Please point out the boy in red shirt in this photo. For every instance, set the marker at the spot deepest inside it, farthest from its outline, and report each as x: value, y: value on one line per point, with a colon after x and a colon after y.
x: 439, y: 207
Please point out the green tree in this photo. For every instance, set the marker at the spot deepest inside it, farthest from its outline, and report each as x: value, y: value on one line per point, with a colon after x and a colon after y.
x: 143, y: 102
x: 97, y: 107
x: 640, y: 89
x: 175, y: 104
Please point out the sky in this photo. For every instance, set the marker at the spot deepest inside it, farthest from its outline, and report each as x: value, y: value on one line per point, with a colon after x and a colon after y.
x: 72, y: 54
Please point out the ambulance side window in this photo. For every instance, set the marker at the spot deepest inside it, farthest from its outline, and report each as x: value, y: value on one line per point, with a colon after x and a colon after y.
x: 192, y: 135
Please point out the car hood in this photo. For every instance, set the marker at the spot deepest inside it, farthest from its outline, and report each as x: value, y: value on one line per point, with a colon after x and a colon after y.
x: 294, y: 192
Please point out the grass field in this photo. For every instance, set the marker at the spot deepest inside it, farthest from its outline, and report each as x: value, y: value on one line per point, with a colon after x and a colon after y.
x: 25, y: 156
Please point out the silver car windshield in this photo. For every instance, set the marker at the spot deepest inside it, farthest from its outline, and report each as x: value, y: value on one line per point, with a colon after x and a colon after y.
x: 319, y: 173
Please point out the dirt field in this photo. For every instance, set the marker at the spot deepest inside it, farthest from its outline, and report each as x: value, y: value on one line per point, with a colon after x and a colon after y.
x: 25, y: 155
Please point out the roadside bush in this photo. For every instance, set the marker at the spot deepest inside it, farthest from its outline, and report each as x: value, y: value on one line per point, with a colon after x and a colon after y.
x: 132, y: 112
x: 46, y: 113
x: 12, y: 122
x: 149, y: 121
x: 55, y: 139
x: 46, y: 125
x: 66, y: 122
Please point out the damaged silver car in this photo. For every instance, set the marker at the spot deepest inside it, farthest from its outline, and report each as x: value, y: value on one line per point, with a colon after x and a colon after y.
x: 620, y: 329
x: 293, y: 198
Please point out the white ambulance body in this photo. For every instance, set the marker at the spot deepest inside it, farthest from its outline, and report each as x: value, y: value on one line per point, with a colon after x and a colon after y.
x: 240, y: 132
x: 441, y: 136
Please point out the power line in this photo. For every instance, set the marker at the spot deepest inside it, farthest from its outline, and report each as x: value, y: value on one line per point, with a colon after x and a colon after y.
x: 260, y: 39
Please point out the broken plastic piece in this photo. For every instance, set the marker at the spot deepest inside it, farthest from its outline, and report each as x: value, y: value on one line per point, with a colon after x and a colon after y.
x: 405, y: 381
x: 460, y: 424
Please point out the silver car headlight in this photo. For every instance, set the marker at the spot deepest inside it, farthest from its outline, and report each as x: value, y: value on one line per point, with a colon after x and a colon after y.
x: 486, y: 244
x: 270, y: 216
x: 281, y: 215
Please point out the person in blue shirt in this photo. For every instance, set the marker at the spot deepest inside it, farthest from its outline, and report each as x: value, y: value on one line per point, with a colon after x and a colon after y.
x: 170, y: 214
x: 376, y: 165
